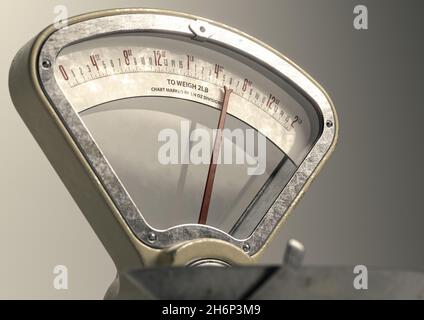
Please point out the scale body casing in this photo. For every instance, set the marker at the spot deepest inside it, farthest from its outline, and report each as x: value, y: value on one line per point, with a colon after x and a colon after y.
x: 102, y: 210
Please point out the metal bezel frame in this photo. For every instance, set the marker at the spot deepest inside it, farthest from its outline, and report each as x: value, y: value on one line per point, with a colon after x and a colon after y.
x: 168, y: 22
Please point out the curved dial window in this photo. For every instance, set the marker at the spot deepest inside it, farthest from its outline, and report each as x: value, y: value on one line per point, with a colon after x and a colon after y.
x: 154, y: 104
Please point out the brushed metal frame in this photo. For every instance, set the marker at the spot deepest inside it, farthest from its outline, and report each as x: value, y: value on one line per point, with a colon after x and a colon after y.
x: 51, y: 42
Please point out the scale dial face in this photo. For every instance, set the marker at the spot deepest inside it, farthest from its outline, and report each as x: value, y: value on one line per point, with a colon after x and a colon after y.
x: 194, y: 130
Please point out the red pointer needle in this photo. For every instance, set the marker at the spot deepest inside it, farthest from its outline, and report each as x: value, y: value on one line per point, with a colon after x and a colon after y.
x: 203, y: 216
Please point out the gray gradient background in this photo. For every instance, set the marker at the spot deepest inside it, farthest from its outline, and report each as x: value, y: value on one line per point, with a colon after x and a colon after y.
x: 364, y: 208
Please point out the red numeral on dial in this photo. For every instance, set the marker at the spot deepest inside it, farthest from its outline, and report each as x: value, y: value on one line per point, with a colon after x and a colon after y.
x: 63, y: 72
